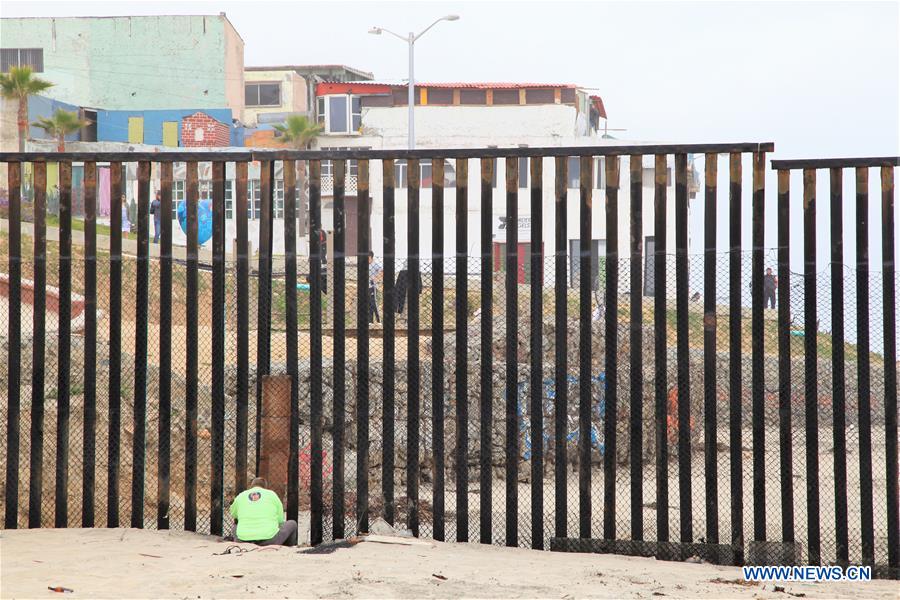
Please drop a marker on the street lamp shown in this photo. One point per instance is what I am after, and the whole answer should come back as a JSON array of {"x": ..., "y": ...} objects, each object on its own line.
[{"x": 411, "y": 40}]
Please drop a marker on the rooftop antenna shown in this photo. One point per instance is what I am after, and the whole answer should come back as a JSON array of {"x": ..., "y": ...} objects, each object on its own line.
[{"x": 606, "y": 130}]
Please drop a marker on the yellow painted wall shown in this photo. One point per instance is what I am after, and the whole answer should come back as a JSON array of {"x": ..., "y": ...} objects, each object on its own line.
[
  {"x": 170, "y": 133},
  {"x": 135, "y": 130}
]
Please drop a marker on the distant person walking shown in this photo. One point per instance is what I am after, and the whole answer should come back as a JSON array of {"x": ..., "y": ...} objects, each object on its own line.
[
  {"x": 157, "y": 217},
  {"x": 126, "y": 224},
  {"x": 770, "y": 282}
]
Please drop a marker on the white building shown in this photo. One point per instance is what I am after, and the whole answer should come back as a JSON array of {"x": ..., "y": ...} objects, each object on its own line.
[{"x": 478, "y": 115}]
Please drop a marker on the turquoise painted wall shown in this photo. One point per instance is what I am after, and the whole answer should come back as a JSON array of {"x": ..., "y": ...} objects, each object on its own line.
[{"x": 128, "y": 63}]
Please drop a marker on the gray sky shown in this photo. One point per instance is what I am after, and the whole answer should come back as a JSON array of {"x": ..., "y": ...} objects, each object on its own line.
[{"x": 818, "y": 78}]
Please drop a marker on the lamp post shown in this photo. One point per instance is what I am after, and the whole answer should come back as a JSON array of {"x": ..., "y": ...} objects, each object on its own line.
[{"x": 411, "y": 40}]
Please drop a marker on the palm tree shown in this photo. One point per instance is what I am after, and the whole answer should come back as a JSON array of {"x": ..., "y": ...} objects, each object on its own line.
[
  {"x": 300, "y": 132},
  {"x": 61, "y": 124},
  {"x": 18, "y": 84}
]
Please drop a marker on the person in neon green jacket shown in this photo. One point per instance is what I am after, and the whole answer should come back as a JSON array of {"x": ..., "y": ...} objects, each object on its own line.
[{"x": 259, "y": 516}]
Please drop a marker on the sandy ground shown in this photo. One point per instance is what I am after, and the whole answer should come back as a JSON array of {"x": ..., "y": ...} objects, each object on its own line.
[{"x": 129, "y": 563}]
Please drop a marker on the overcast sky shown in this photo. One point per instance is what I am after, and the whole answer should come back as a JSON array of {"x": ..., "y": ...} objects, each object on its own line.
[{"x": 818, "y": 78}]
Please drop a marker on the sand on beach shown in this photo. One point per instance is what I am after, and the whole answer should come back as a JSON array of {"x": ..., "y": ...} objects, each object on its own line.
[{"x": 131, "y": 563}]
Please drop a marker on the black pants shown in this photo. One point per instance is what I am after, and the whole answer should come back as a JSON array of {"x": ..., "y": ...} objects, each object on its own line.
[{"x": 769, "y": 297}]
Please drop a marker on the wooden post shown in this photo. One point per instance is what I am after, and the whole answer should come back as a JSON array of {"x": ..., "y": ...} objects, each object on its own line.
[{"x": 275, "y": 439}]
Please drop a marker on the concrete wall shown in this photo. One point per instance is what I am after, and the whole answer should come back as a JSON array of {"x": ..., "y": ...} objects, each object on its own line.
[
  {"x": 293, "y": 94},
  {"x": 469, "y": 126},
  {"x": 112, "y": 125},
  {"x": 147, "y": 62},
  {"x": 234, "y": 69}
]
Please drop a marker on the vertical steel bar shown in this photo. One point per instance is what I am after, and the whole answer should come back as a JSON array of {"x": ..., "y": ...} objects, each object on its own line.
[
  {"x": 487, "y": 366},
  {"x": 243, "y": 326},
  {"x": 14, "y": 355},
  {"x": 340, "y": 349},
  {"x": 757, "y": 382},
  {"x": 864, "y": 376},
  {"x": 610, "y": 417},
  {"x": 685, "y": 506},
  {"x": 316, "y": 253},
  {"x": 462, "y": 350},
  {"x": 264, "y": 289},
  {"x": 511, "y": 264},
  {"x": 839, "y": 432},
  {"x": 785, "y": 435},
  {"x": 89, "y": 448},
  {"x": 536, "y": 413},
  {"x": 115, "y": 343},
  {"x": 289, "y": 175},
  {"x": 584, "y": 347},
  {"x": 560, "y": 348},
  {"x": 191, "y": 350},
  {"x": 363, "y": 281},
  {"x": 38, "y": 328},
  {"x": 636, "y": 341},
  {"x": 413, "y": 373},
  {"x": 61, "y": 517},
  {"x": 390, "y": 309},
  {"x": 890, "y": 368},
  {"x": 660, "y": 348},
  {"x": 437, "y": 339},
  {"x": 810, "y": 339},
  {"x": 217, "y": 437},
  {"x": 165, "y": 349},
  {"x": 735, "y": 393},
  {"x": 710, "y": 324},
  {"x": 142, "y": 320}
]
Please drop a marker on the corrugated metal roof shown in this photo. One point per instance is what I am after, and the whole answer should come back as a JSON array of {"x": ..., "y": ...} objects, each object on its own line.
[{"x": 470, "y": 85}]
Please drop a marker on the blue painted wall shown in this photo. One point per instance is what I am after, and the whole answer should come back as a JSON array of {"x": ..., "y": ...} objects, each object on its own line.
[
  {"x": 112, "y": 125},
  {"x": 40, "y": 107}
]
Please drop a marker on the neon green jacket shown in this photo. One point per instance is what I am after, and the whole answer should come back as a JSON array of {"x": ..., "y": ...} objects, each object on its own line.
[{"x": 259, "y": 514}]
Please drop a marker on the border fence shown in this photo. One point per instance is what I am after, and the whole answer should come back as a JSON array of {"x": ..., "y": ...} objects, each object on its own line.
[{"x": 566, "y": 409}]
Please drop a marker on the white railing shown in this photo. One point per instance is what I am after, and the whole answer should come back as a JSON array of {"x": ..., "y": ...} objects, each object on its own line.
[{"x": 327, "y": 184}]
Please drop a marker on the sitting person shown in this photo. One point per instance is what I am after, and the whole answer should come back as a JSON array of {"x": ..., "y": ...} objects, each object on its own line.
[{"x": 259, "y": 516}]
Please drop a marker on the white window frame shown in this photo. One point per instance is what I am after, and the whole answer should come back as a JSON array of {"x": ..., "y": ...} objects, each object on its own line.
[
  {"x": 179, "y": 187},
  {"x": 323, "y": 114},
  {"x": 229, "y": 199}
]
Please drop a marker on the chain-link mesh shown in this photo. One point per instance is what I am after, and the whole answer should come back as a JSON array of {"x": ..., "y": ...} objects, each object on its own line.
[{"x": 273, "y": 394}]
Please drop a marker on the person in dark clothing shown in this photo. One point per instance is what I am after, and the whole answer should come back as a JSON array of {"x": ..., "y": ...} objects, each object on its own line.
[
  {"x": 157, "y": 217},
  {"x": 770, "y": 282},
  {"x": 375, "y": 274},
  {"x": 404, "y": 280}
]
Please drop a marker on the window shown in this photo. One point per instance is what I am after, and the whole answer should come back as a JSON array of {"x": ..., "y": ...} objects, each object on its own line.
[
  {"x": 320, "y": 110},
  {"x": 573, "y": 171},
  {"x": 262, "y": 94},
  {"x": 22, "y": 57},
  {"x": 339, "y": 113},
  {"x": 355, "y": 113},
  {"x": 600, "y": 175},
  {"x": 426, "y": 174},
  {"x": 229, "y": 199},
  {"x": 598, "y": 263},
  {"x": 205, "y": 189},
  {"x": 177, "y": 196},
  {"x": 650, "y": 266},
  {"x": 254, "y": 199},
  {"x": 279, "y": 198}
]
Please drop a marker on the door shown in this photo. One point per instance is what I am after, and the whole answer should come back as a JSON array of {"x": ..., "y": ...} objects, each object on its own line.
[
  {"x": 135, "y": 130},
  {"x": 170, "y": 133},
  {"x": 598, "y": 263}
]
